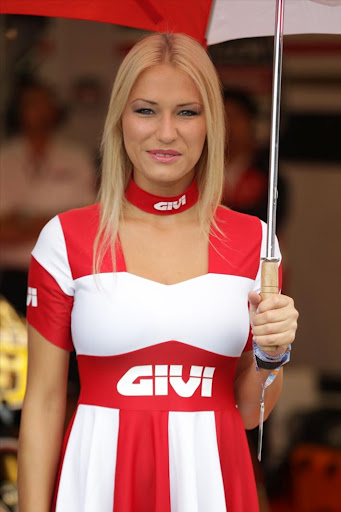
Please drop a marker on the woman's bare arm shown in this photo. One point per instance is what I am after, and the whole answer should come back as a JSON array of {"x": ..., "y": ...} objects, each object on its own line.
[
  {"x": 248, "y": 390},
  {"x": 42, "y": 423}
]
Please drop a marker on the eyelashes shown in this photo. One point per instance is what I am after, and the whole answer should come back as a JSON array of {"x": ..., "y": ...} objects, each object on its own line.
[
  {"x": 182, "y": 113},
  {"x": 144, "y": 111},
  {"x": 188, "y": 113}
]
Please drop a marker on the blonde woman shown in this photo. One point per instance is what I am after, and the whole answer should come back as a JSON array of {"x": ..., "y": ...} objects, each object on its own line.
[{"x": 151, "y": 286}]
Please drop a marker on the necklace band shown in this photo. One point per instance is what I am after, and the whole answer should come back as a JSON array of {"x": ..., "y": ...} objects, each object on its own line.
[{"x": 159, "y": 205}]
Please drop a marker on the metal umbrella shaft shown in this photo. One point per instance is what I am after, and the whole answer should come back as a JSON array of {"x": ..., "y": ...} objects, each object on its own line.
[
  {"x": 275, "y": 121},
  {"x": 269, "y": 283}
]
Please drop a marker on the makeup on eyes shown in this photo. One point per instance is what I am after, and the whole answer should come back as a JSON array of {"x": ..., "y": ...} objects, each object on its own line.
[{"x": 143, "y": 104}]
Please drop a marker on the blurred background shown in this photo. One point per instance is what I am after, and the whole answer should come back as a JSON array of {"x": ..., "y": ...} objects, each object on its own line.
[{"x": 56, "y": 78}]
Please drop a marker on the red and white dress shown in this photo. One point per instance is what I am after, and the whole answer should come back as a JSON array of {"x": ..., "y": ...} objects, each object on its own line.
[{"x": 156, "y": 428}]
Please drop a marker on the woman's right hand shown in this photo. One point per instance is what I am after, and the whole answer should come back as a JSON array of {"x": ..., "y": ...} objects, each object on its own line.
[{"x": 42, "y": 423}]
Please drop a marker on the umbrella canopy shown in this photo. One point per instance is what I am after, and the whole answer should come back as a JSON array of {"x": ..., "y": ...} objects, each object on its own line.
[
  {"x": 235, "y": 19},
  {"x": 205, "y": 20}
]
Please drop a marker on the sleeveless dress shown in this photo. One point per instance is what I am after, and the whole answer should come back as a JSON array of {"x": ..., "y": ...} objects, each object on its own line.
[{"x": 156, "y": 428}]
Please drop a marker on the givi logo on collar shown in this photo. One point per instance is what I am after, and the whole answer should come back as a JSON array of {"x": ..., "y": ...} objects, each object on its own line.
[
  {"x": 170, "y": 205},
  {"x": 157, "y": 205}
]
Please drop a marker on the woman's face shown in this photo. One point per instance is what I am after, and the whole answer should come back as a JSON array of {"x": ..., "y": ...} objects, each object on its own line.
[{"x": 164, "y": 129}]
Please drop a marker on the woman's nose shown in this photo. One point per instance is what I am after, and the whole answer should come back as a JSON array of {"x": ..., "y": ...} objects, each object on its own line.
[{"x": 166, "y": 130}]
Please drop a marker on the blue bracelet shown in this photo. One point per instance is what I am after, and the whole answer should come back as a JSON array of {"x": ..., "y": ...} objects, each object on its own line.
[{"x": 267, "y": 361}]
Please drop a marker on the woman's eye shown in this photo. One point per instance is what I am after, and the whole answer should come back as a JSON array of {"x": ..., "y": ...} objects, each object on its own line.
[
  {"x": 188, "y": 113},
  {"x": 144, "y": 111}
]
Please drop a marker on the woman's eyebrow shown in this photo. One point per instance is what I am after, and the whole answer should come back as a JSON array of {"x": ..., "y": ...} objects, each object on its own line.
[
  {"x": 145, "y": 101},
  {"x": 189, "y": 103},
  {"x": 155, "y": 103}
]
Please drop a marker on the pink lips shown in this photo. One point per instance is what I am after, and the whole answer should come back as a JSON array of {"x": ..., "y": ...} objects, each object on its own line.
[{"x": 164, "y": 156}]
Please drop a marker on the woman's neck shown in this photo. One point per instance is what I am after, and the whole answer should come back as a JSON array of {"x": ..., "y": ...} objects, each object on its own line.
[{"x": 161, "y": 210}]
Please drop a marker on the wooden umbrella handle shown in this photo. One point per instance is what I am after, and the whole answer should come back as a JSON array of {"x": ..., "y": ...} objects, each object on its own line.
[
  {"x": 269, "y": 278},
  {"x": 269, "y": 285}
]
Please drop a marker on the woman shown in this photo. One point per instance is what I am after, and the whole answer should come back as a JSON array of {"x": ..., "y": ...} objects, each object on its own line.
[{"x": 161, "y": 323}]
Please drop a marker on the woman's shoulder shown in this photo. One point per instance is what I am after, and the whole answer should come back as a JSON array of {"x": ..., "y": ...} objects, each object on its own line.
[
  {"x": 69, "y": 234},
  {"x": 80, "y": 226},
  {"x": 227, "y": 219},
  {"x": 76, "y": 220},
  {"x": 77, "y": 217},
  {"x": 73, "y": 224},
  {"x": 237, "y": 241},
  {"x": 68, "y": 239}
]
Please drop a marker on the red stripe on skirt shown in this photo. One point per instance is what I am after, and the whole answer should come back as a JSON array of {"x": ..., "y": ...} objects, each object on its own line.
[
  {"x": 142, "y": 466},
  {"x": 236, "y": 465}
]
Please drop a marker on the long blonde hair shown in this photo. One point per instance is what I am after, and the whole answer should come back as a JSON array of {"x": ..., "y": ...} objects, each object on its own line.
[{"x": 187, "y": 55}]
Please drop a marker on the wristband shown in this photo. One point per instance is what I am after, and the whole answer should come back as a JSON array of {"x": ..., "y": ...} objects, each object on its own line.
[{"x": 268, "y": 362}]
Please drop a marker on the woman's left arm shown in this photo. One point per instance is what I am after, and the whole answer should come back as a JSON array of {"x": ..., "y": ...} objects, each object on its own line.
[{"x": 274, "y": 325}]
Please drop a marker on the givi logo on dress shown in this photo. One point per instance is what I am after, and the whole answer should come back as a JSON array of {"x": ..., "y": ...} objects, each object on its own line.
[{"x": 150, "y": 383}]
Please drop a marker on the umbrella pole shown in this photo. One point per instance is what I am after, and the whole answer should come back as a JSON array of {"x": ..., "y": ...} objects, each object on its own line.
[
  {"x": 269, "y": 274},
  {"x": 269, "y": 271}
]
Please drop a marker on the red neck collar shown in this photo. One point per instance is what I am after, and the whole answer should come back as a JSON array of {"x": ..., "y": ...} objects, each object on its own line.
[{"x": 162, "y": 205}]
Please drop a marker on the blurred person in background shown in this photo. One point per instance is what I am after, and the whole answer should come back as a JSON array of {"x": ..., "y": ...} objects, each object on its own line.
[
  {"x": 41, "y": 174},
  {"x": 246, "y": 173}
]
